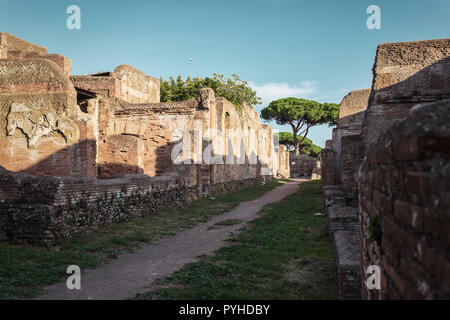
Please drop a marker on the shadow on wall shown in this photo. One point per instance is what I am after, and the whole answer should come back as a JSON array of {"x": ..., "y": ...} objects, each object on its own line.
[
  {"x": 431, "y": 83},
  {"x": 347, "y": 126},
  {"x": 390, "y": 102},
  {"x": 351, "y": 122},
  {"x": 75, "y": 160}
]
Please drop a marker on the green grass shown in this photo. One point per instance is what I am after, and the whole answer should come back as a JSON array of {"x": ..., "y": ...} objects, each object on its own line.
[
  {"x": 285, "y": 254},
  {"x": 25, "y": 269}
]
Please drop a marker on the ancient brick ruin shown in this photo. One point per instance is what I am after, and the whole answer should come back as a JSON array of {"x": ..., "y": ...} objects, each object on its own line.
[
  {"x": 304, "y": 166},
  {"x": 80, "y": 152},
  {"x": 386, "y": 176}
]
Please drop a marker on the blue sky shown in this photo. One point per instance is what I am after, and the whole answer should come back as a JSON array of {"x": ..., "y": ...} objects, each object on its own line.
[{"x": 316, "y": 49}]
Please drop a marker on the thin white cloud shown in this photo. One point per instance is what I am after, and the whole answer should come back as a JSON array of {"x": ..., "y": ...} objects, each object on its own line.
[
  {"x": 273, "y": 91},
  {"x": 332, "y": 96}
]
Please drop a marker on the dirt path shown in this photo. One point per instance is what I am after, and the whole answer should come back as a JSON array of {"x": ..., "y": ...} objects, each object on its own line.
[{"x": 135, "y": 272}]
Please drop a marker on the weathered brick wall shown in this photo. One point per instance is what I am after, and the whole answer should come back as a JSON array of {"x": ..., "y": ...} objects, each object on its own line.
[
  {"x": 44, "y": 131},
  {"x": 11, "y": 46},
  {"x": 345, "y": 154},
  {"x": 351, "y": 158},
  {"x": 405, "y": 185},
  {"x": 236, "y": 138},
  {"x": 302, "y": 165},
  {"x": 404, "y": 178},
  {"x": 42, "y": 209},
  {"x": 405, "y": 74},
  {"x": 135, "y": 86},
  {"x": 105, "y": 86},
  {"x": 351, "y": 115},
  {"x": 327, "y": 165},
  {"x": 402, "y": 183},
  {"x": 125, "y": 83},
  {"x": 150, "y": 129}
]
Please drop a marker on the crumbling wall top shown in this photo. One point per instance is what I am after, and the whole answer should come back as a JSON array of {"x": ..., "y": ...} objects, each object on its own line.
[
  {"x": 30, "y": 71},
  {"x": 10, "y": 45},
  {"x": 351, "y": 110},
  {"x": 126, "y": 83},
  {"x": 405, "y": 74},
  {"x": 409, "y": 53},
  {"x": 180, "y": 107},
  {"x": 410, "y": 71}
]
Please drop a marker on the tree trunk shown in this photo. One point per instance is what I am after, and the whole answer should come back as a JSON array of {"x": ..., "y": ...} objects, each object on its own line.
[
  {"x": 296, "y": 144},
  {"x": 304, "y": 137}
]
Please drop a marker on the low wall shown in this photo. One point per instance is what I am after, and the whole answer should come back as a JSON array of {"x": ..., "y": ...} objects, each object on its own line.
[{"x": 42, "y": 209}]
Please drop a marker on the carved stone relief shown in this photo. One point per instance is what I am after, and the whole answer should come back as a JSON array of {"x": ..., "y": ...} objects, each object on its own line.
[{"x": 36, "y": 123}]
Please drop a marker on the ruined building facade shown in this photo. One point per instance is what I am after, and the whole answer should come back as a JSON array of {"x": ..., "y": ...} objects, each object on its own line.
[
  {"x": 386, "y": 177},
  {"x": 81, "y": 152}
]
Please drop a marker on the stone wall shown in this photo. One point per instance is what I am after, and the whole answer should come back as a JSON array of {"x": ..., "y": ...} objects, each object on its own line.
[
  {"x": 405, "y": 74},
  {"x": 11, "y": 46},
  {"x": 44, "y": 131},
  {"x": 125, "y": 83},
  {"x": 42, "y": 209},
  {"x": 351, "y": 115},
  {"x": 136, "y": 87},
  {"x": 350, "y": 160},
  {"x": 327, "y": 164},
  {"x": 302, "y": 165},
  {"x": 405, "y": 206}
]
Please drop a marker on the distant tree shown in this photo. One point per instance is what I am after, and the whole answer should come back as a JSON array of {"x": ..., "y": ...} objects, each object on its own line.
[
  {"x": 287, "y": 139},
  {"x": 307, "y": 147},
  {"x": 234, "y": 89},
  {"x": 311, "y": 149},
  {"x": 301, "y": 115}
]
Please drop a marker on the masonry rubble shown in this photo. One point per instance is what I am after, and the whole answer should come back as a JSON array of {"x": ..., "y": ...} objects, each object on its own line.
[
  {"x": 386, "y": 176},
  {"x": 81, "y": 152}
]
